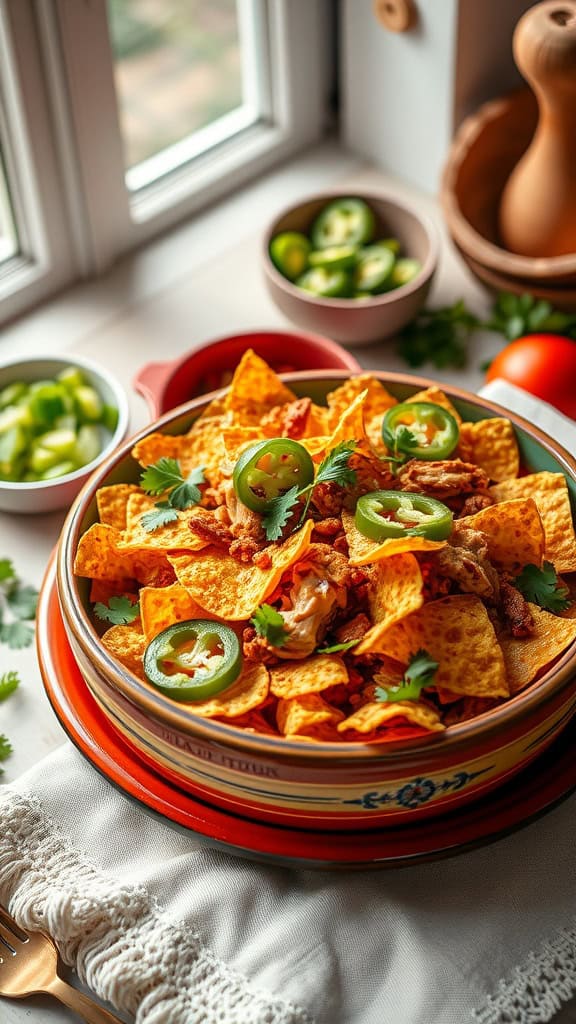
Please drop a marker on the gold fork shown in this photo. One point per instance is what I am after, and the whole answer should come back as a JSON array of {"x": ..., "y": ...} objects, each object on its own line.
[{"x": 29, "y": 965}]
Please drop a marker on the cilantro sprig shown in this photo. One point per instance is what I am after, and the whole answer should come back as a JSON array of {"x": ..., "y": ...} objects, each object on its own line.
[
  {"x": 17, "y": 608},
  {"x": 9, "y": 682},
  {"x": 515, "y": 315},
  {"x": 438, "y": 336},
  {"x": 268, "y": 623},
  {"x": 164, "y": 477},
  {"x": 419, "y": 673},
  {"x": 119, "y": 611},
  {"x": 542, "y": 587},
  {"x": 334, "y": 467},
  {"x": 335, "y": 648}
]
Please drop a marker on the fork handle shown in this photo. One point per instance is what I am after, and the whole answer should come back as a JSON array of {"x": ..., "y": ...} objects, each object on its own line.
[{"x": 83, "y": 1005}]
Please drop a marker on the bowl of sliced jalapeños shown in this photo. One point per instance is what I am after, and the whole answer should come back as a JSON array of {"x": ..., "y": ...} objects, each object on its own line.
[
  {"x": 59, "y": 417},
  {"x": 329, "y": 601},
  {"x": 355, "y": 267}
]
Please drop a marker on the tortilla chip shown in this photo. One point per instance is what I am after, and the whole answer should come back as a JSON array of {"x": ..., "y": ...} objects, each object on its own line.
[
  {"x": 127, "y": 644},
  {"x": 99, "y": 557},
  {"x": 162, "y": 606},
  {"x": 249, "y": 691},
  {"x": 437, "y": 397},
  {"x": 377, "y": 399},
  {"x": 492, "y": 445},
  {"x": 254, "y": 391},
  {"x": 457, "y": 633},
  {"x": 363, "y": 551},
  {"x": 233, "y": 590},
  {"x": 304, "y": 714},
  {"x": 311, "y": 675},
  {"x": 395, "y": 591},
  {"x": 513, "y": 531},
  {"x": 373, "y": 716},
  {"x": 525, "y": 657},
  {"x": 202, "y": 447},
  {"x": 350, "y": 426},
  {"x": 171, "y": 537},
  {"x": 550, "y": 492},
  {"x": 111, "y": 503}
]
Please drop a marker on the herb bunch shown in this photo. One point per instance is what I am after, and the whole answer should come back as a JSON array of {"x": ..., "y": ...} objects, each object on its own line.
[{"x": 17, "y": 608}]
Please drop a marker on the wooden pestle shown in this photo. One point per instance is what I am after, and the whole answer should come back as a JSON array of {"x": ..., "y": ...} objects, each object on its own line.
[{"x": 538, "y": 204}]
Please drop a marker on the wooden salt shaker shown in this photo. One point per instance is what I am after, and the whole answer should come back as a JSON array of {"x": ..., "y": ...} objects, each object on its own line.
[{"x": 538, "y": 205}]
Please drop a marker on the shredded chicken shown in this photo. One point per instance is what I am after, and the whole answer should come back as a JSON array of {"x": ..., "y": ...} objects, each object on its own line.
[
  {"x": 318, "y": 591},
  {"x": 442, "y": 479},
  {"x": 465, "y": 560},
  {"x": 245, "y": 527}
]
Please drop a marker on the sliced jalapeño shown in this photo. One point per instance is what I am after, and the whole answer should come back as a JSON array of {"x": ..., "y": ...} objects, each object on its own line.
[
  {"x": 421, "y": 430},
  {"x": 347, "y": 221},
  {"x": 383, "y": 514},
  {"x": 193, "y": 660},
  {"x": 268, "y": 469}
]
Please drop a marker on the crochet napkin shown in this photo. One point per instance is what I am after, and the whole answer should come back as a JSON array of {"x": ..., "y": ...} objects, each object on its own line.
[{"x": 170, "y": 931}]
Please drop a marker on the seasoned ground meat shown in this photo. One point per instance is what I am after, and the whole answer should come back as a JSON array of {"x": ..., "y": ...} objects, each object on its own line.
[
  {"x": 515, "y": 610},
  {"x": 291, "y": 418},
  {"x": 205, "y": 525},
  {"x": 475, "y": 503}
]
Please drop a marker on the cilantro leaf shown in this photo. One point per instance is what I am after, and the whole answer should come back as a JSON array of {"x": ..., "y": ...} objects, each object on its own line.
[
  {"x": 541, "y": 587},
  {"x": 269, "y": 623},
  {"x": 119, "y": 610},
  {"x": 278, "y": 512},
  {"x": 335, "y": 466},
  {"x": 9, "y": 681},
  {"x": 6, "y": 570},
  {"x": 419, "y": 673},
  {"x": 22, "y": 601},
  {"x": 160, "y": 515},
  {"x": 16, "y": 634},
  {"x": 161, "y": 476},
  {"x": 515, "y": 315},
  {"x": 337, "y": 647},
  {"x": 165, "y": 477},
  {"x": 188, "y": 493}
]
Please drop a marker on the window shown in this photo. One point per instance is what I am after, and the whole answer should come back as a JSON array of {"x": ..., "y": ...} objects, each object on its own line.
[{"x": 120, "y": 117}]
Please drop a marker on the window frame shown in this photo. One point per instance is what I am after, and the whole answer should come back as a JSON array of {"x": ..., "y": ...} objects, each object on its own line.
[{"x": 66, "y": 172}]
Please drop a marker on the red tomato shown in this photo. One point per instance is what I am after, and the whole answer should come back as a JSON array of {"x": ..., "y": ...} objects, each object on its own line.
[{"x": 544, "y": 365}]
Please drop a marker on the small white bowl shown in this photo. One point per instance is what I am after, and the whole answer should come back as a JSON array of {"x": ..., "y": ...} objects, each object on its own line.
[{"x": 49, "y": 495}]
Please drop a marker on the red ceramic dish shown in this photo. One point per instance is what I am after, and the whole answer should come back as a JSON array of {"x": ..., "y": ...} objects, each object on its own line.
[
  {"x": 209, "y": 367},
  {"x": 551, "y": 778},
  {"x": 356, "y": 786}
]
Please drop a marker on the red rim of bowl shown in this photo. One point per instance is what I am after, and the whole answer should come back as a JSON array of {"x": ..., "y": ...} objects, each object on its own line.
[{"x": 403, "y": 752}]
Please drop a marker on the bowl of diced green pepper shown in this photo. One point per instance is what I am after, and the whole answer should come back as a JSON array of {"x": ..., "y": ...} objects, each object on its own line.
[
  {"x": 59, "y": 417},
  {"x": 356, "y": 268}
]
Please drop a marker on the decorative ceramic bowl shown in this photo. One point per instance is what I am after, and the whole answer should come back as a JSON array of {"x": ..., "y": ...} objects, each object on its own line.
[
  {"x": 50, "y": 495},
  {"x": 485, "y": 150},
  {"x": 316, "y": 785},
  {"x": 166, "y": 385},
  {"x": 357, "y": 321}
]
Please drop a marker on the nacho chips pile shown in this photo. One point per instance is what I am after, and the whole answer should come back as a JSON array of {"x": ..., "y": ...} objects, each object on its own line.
[{"x": 344, "y": 638}]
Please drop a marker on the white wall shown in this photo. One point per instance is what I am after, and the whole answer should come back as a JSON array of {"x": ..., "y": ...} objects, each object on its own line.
[{"x": 404, "y": 94}]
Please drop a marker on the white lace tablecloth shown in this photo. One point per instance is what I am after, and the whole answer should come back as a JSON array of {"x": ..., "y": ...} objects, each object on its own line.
[{"x": 173, "y": 932}]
